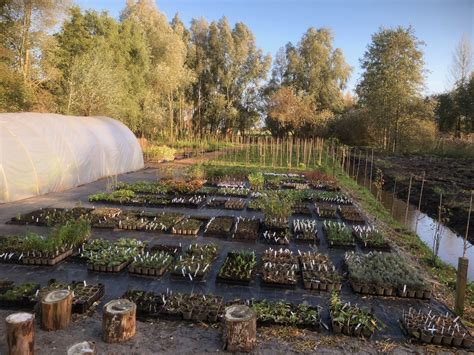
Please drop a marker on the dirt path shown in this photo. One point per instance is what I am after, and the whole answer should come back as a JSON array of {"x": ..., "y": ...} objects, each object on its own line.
[{"x": 172, "y": 337}]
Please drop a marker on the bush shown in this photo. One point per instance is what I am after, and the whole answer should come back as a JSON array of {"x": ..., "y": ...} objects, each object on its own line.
[{"x": 159, "y": 153}]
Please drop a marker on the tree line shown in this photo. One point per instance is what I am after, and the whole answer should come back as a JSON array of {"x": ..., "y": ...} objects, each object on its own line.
[{"x": 162, "y": 78}]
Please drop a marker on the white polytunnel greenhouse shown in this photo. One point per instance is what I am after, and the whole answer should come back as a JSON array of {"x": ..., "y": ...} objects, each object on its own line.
[{"x": 43, "y": 152}]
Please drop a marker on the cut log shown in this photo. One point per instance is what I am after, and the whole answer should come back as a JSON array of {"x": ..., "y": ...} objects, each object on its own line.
[
  {"x": 86, "y": 347},
  {"x": 240, "y": 329},
  {"x": 119, "y": 321},
  {"x": 56, "y": 308},
  {"x": 20, "y": 329}
]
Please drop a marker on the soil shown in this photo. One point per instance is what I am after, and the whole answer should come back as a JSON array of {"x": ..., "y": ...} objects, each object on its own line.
[
  {"x": 174, "y": 337},
  {"x": 454, "y": 178}
]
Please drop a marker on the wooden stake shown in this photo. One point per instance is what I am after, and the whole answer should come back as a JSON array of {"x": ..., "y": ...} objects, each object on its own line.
[
  {"x": 419, "y": 202},
  {"x": 86, "y": 347},
  {"x": 461, "y": 283},
  {"x": 20, "y": 333},
  {"x": 466, "y": 244},
  {"x": 119, "y": 321},
  {"x": 408, "y": 199},
  {"x": 371, "y": 170},
  {"x": 240, "y": 329},
  {"x": 365, "y": 170},
  {"x": 56, "y": 309}
]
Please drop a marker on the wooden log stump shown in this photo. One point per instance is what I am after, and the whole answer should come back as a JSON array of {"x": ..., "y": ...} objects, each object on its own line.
[
  {"x": 240, "y": 329},
  {"x": 85, "y": 347},
  {"x": 119, "y": 321},
  {"x": 20, "y": 329},
  {"x": 56, "y": 308}
]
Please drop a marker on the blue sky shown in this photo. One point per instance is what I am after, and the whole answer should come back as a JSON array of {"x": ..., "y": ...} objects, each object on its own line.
[{"x": 439, "y": 23}]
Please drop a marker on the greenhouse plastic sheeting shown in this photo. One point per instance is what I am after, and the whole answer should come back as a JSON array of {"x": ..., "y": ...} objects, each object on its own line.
[{"x": 42, "y": 152}]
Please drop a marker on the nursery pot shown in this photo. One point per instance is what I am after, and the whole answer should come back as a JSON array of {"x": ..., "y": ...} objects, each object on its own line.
[
  {"x": 388, "y": 291},
  {"x": 426, "y": 338},
  {"x": 337, "y": 328},
  {"x": 457, "y": 340},
  {"x": 437, "y": 338},
  {"x": 419, "y": 294},
  {"x": 467, "y": 342},
  {"x": 379, "y": 291},
  {"x": 346, "y": 330},
  {"x": 447, "y": 340}
]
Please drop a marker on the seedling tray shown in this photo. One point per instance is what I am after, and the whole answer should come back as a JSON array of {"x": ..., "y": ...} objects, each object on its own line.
[
  {"x": 110, "y": 269},
  {"x": 82, "y": 306},
  {"x": 47, "y": 261}
]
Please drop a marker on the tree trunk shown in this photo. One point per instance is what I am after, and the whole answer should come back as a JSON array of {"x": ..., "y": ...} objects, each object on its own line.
[
  {"x": 85, "y": 347},
  {"x": 240, "y": 329},
  {"x": 20, "y": 329},
  {"x": 119, "y": 321},
  {"x": 56, "y": 309}
]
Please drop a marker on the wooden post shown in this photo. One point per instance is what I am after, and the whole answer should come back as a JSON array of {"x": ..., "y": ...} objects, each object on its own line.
[
  {"x": 56, "y": 309},
  {"x": 20, "y": 329},
  {"x": 358, "y": 167},
  {"x": 419, "y": 202},
  {"x": 408, "y": 199},
  {"x": 365, "y": 170},
  {"x": 461, "y": 283},
  {"x": 119, "y": 321},
  {"x": 85, "y": 347},
  {"x": 394, "y": 194},
  {"x": 240, "y": 329},
  {"x": 371, "y": 170}
]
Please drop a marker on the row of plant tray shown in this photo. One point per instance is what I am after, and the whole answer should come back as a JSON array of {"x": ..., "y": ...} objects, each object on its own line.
[
  {"x": 350, "y": 330},
  {"x": 147, "y": 271},
  {"x": 28, "y": 260},
  {"x": 102, "y": 268},
  {"x": 390, "y": 291},
  {"x": 321, "y": 286},
  {"x": 438, "y": 339}
]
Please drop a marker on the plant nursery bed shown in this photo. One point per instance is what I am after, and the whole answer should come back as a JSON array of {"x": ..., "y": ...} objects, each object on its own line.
[
  {"x": 85, "y": 296},
  {"x": 232, "y": 192},
  {"x": 276, "y": 237},
  {"x": 279, "y": 268},
  {"x": 170, "y": 249},
  {"x": 234, "y": 204},
  {"x": 318, "y": 272},
  {"x": 216, "y": 203},
  {"x": 219, "y": 227},
  {"x": 238, "y": 268},
  {"x": 194, "y": 264},
  {"x": 351, "y": 320},
  {"x": 48, "y": 260},
  {"x": 286, "y": 314},
  {"x": 187, "y": 226},
  {"x": 351, "y": 214},
  {"x": 326, "y": 210},
  {"x": 301, "y": 208},
  {"x": 370, "y": 238},
  {"x": 50, "y": 216},
  {"x": 247, "y": 229},
  {"x": 22, "y": 296},
  {"x": 338, "y": 235},
  {"x": 435, "y": 328},
  {"x": 305, "y": 231},
  {"x": 385, "y": 274},
  {"x": 151, "y": 264},
  {"x": 195, "y": 201},
  {"x": 109, "y": 269}
]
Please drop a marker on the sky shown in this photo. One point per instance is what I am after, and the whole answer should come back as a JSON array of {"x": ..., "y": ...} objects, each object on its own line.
[{"x": 440, "y": 24}]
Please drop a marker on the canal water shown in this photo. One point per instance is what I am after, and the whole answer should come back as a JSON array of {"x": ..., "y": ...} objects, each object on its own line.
[{"x": 451, "y": 244}]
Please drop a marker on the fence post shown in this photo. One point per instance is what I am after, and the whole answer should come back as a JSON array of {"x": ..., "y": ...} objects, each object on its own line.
[{"x": 371, "y": 170}]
